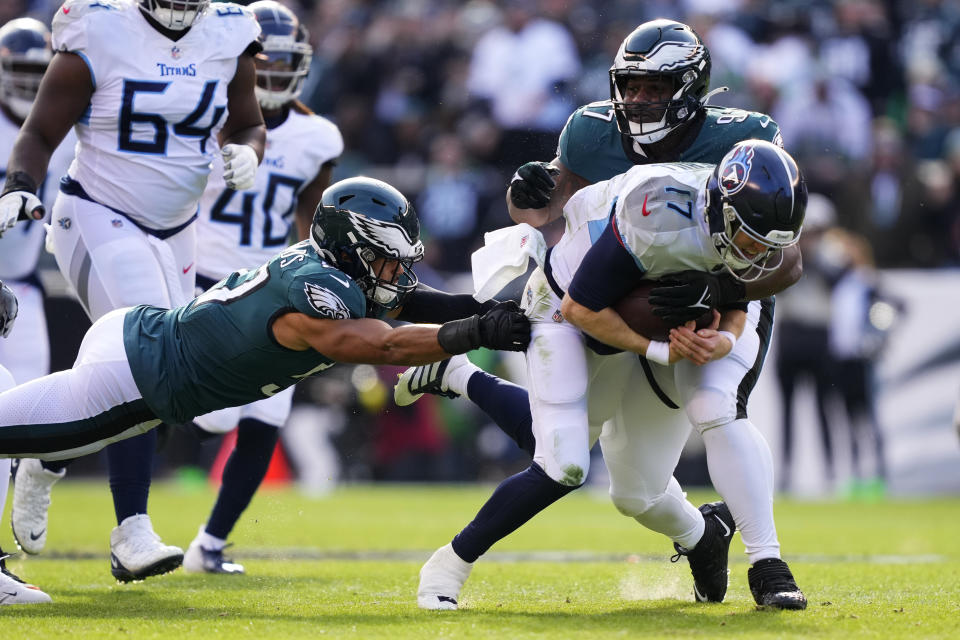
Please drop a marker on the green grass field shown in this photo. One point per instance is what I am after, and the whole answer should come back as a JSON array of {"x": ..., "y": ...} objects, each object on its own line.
[{"x": 346, "y": 566}]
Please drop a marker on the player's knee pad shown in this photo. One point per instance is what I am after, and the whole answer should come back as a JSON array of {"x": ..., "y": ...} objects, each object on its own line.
[
  {"x": 708, "y": 408},
  {"x": 633, "y": 506},
  {"x": 563, "y": 452}
]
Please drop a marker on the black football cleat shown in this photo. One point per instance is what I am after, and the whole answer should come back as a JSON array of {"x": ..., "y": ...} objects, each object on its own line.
[
  {"x": 708, "y": 560},
  {"x": 772, "y": 585}
]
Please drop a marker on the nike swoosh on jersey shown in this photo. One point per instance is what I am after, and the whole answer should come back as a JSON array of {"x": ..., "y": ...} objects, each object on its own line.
[
  {"x": 345, "y": 283},
  {"x": 645, "y": 211},
  {"x": 187, "y": 268}
]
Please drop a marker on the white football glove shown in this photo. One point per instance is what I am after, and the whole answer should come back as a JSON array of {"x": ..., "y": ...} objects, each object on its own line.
[
  {"x": 8, "y": 310},
  {"x": 239, "y": 166},
  {"x": 18, "y": 204}
]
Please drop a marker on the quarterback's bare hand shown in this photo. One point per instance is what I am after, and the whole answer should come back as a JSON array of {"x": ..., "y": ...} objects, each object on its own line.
[
  {"x": 700, "y": 346},
  {"x": 239, "y": 166},
  {"x": 8, "y": 310},
  {"x": 19, "y": 205},
  {"x": 532, "y": 184}
]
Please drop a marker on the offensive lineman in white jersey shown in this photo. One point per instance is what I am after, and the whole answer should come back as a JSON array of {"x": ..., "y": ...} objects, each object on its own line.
[
  {"x": 649, "y": 222},
  {"x": 244, "y": 229},
  {"x": 24, "y": 55},
  {"x": 155, "y": 90}
]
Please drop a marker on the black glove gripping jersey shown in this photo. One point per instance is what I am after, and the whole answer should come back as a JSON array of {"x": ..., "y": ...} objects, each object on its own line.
[{"x": 218, "y": 351}]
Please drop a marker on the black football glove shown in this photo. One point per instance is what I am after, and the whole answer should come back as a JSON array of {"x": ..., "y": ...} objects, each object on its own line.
[
  {"x": 532, "y": 184},
  {"x": 503, "y": 328},
  {"x": 687, "y": 295},
  {"x": 8, "y": 310}
]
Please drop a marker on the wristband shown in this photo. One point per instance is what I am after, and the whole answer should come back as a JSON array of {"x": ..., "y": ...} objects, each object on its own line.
[
  {"x": 658, "y": 351},
  {"x": 19, "y": 181},
  {"x": 729, "y": 336}
]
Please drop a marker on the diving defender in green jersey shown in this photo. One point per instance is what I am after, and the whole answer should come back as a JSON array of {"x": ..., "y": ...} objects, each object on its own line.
[
  {"x": 657, "y": 112},
  {"x": 256, "y": 332}
]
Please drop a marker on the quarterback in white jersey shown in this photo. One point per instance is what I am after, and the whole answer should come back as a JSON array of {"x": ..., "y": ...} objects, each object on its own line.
[
  {"x": 155, "y": 91},
  {"x": 583, "y": 374},
  {"x": 245, "y": 229}
]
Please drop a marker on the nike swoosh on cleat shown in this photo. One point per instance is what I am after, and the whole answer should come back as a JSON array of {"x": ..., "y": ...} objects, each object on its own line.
[
  {"x": 726, "y": 529},
  {"x": 447, "y": 599},
  {"x": 699, "y": 596},
  {"x": 36, "y": 536}
]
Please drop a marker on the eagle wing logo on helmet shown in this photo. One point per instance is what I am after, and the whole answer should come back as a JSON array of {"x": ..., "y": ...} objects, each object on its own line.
[
  {"x": 389, "y": 239},
  {"x": 672, "y": 55},
  {"x": 326, "y": 303},
  {"x": 736, "y": 170}
]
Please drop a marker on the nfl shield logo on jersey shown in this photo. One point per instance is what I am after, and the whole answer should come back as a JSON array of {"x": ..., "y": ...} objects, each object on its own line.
[{"x": 176, "y": 52}]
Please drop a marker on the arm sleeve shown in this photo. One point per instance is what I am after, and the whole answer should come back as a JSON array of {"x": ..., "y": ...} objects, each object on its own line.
[
  {"x": 606, "y": 274},
  {"x": 430, "y": 305}
]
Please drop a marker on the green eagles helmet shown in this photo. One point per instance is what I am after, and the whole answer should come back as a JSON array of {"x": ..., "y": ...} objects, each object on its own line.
[{"x": 359, "y": 220}]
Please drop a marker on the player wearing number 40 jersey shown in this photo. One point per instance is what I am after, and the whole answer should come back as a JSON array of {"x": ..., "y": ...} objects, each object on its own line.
[
  {"x": 243, "y": 229},
  {"x": 155, "y": 90}
]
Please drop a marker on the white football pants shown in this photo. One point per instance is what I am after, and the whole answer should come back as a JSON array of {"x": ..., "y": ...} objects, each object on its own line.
[{"x": 111, "y": 263}]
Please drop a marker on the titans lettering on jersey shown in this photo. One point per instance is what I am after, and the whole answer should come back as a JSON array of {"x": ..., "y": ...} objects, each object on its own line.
[
  {"x": 219, "y": 351},
  {"x": 20, "y": 247},
  {"x": 149, "y": 134},
  {"x": 592, "y": 146},
  {"x": 246, "y": 228},
  {"x": 659, "y": 213}
]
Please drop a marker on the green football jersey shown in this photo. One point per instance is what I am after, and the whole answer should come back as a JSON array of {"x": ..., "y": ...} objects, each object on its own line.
[
  {"x": 219, "y": 351},
  {"x": 592, "y": 146}
]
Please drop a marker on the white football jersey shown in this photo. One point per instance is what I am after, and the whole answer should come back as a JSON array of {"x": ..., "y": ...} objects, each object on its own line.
[
  {"x": 246, "y": 228},
  {"x": 659, "y": 210},
  {"x": 150, "y": 132},
  {"x": 20, "y": 247}
]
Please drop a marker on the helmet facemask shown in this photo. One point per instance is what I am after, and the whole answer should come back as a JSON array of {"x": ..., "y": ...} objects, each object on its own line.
[
  {"x": 739, "y": 263},
  {"x": 175, "y": 15},
  {"x": 282, "y": 67},
  {"x": 650, "y": 121}
]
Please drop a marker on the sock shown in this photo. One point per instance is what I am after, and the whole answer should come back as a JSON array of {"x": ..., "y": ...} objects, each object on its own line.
[
  {"x": 746, "y": 488},
  {"x": 242, "y": 474},
  {"x": 130, "y": 463},
  {"x": 507, "y": 404},
  {"x": 210, "y": 542},
  {"x": 516, "y": 500}
]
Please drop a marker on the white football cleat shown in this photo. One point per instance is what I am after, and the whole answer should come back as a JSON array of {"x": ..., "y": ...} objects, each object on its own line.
[
  {"x": 428, "y": 378},
  {"x": 199, "y": 559},
  {"x": 13, "y": 590},
  {"x": 441, "y": 579},
  {"x": 31, "y": 501},
  {"x": 136, "y": 552}
]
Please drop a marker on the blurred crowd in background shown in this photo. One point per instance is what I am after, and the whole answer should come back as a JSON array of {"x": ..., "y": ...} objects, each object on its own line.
[{"x": 446, "y": 98}]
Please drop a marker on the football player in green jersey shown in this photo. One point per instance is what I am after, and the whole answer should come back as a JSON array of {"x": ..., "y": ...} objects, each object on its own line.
[
  {"x": 256, "y": 332},
  {"x": 657, "y": 112}
]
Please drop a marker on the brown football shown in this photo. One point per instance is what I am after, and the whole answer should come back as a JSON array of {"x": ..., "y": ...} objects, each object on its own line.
[{"x": 636, "y": 311}]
